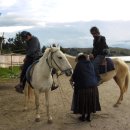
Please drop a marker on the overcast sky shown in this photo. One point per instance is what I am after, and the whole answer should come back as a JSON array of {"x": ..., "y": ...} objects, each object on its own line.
[
  {"x": 17, "y": 15},
  {"x": 22, "y": 14}
]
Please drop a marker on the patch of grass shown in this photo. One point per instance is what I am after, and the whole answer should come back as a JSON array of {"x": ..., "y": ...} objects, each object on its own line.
[{"x": 12, "y": 72}]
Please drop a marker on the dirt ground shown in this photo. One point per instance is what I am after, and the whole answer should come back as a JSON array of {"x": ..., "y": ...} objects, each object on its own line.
[{"x": 12, "y": 116}]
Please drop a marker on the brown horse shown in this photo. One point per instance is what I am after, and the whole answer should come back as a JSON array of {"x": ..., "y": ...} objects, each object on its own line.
[{"x": 120, "y": 75}]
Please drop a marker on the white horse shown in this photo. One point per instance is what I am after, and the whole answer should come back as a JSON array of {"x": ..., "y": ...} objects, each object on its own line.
[
  {"x": 121, "y": 75},
  {"x": 42, "y": 80}
]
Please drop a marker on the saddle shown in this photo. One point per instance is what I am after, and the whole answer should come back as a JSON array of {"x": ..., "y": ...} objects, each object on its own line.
[
  {"x": 29, "y": 73},
  {"x": 106, "y": 66}
]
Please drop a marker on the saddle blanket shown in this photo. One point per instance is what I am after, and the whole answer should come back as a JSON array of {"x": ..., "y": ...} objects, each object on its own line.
[
  {"x": 30, "y": 71},
  {"x": 109, "y": 66}
]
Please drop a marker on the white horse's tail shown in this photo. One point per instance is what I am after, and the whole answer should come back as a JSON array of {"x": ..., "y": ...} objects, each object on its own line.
[
  {"x": 127, "y": 79},
  {"x": 29, "y": 93}
]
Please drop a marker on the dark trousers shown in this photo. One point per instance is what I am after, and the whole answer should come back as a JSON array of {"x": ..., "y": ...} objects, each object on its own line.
[
  {"x": 28, "y": 61},
  {"x": 96, "y": 62}
]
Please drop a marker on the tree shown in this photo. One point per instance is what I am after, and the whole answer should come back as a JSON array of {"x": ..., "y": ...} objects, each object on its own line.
[
  {"x": 62, "y": 49},
  {"x": 19, "y": 45},
  {"x": 14, "y": 45},
  {"x": 8, "y": 45},
  {"x": 1, "y": 42}
]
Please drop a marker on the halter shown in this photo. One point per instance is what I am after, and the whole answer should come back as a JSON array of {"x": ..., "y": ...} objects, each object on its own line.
[{"x": 51, "y": 66}]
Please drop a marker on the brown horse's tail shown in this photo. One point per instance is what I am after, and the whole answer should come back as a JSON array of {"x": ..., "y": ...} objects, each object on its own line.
[{"x": 127, "y": 79}]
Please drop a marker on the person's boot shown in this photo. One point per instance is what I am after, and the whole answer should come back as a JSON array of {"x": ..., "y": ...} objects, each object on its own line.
[
  {"x": 82, "y": 118},
  {"x": 88, "y": 118},
  {"x": 19, "y": 88}
]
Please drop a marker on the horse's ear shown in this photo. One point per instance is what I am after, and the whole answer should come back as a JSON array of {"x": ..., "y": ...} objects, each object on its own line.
[
  {"x": 51, "y": 46},
  {"x": 51, "y": 49},
  {"x": 58, "y": 46}
]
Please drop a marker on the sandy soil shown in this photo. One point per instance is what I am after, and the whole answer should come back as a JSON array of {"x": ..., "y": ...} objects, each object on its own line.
[{"x": 12, "y": 116}]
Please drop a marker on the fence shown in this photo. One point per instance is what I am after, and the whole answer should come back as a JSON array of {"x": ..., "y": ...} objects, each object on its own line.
[
  {"x": 17, "y": 60},
  {"x": 124, "y": 58},
  {"x": 11, "y": 60}
]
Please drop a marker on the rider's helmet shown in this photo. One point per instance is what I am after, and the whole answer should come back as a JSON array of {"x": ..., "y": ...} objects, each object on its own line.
[{"x": 24, "y": 34}]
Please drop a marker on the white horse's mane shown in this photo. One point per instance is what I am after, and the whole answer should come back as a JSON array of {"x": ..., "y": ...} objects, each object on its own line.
[{"x": 48, "y": 50}]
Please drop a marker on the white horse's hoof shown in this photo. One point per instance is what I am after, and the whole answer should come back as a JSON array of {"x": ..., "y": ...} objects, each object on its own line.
[
  {"x": 25, "y": 109},
  {"x": 37, "y": 119},
  {"x": 115, "y": 105},
  {"x": 50, "y": 121}
]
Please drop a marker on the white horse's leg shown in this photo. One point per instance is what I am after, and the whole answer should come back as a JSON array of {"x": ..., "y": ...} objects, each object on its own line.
[
  {"x": 26, "y": 97},
  {"x": 48, "y": 106},
  {"x": 36, "y": 92}
]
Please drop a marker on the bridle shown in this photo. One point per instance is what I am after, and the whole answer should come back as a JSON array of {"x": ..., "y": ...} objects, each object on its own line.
[{"x": 53, "y": 60}]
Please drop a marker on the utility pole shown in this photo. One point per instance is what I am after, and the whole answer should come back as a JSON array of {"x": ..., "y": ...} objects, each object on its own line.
[
  {"x": 1, "y": 39},
  {"x": 1, "y": 42}
]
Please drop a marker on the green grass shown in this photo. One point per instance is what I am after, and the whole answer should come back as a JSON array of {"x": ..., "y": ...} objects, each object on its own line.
[{"x": 7, "y": 73}]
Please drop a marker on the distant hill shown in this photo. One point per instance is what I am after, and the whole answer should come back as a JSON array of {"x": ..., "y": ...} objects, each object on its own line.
[{"x": 113, "y": 51}]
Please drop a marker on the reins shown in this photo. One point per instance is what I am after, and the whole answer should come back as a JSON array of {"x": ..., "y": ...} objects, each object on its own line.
[
  {"x": 57, "y": 75},
  {"x": 51, "y": 66}
]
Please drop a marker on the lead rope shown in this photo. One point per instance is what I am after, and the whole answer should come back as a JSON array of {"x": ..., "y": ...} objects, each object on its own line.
[
  {"x": 61, "y": 96},
  {"x": 61, "y": 91},
  {"x": 73, "y": 120}
]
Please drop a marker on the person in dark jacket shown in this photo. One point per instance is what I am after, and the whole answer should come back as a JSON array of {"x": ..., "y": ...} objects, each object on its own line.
[
  {"x": 100, "y": 49},
  {"x": 85, "y": 97},
  {"x": 33, "y": 53}
]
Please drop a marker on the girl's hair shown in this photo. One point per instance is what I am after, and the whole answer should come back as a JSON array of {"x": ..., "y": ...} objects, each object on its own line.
[{"x": 94, "y": 30}]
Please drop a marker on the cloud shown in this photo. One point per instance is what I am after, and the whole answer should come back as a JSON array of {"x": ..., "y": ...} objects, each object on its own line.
[
  {"x": 14, "y": 29},
  {"x": 41, "y": 12},
  {"x": 65, "y": 10},
  {"x": 15, "y": 20},
  {"x": 7, "y": 3},
  {"x": 76, "y": 34},
  {"x": 56, "y": 20},
  {"x": 24, "y": 13}
]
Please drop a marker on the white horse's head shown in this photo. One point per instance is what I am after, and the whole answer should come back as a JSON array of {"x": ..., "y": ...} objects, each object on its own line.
[{"x": 56, "y": 59}]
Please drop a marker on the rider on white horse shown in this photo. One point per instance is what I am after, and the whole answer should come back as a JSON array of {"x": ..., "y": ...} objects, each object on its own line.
[{"x": 33, "y": 52}]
